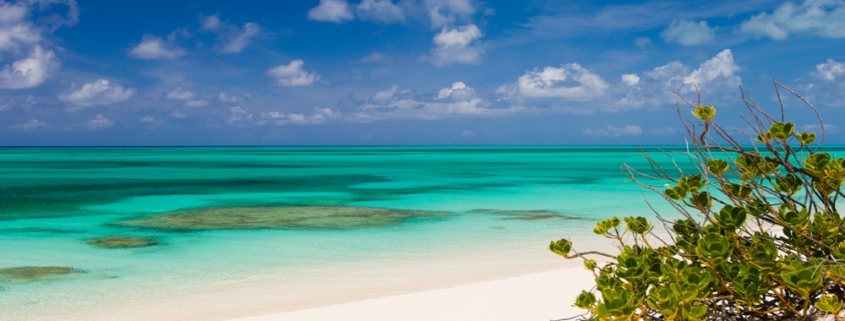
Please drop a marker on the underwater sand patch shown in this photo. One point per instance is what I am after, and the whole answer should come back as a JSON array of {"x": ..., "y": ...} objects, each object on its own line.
[
  {"x": 33, "y": 273},
  {"x": 527, "y": 215},
  {"x": 122, "y": 242},
  {"x": 242, "y": 218}
]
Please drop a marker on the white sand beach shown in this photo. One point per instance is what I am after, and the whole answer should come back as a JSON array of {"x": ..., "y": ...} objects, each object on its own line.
[
  {"x": 539, "y": 296},
  {"x": 517, "y": 283}
]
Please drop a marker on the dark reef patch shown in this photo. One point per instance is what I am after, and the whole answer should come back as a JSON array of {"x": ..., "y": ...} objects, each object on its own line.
[
  {"x": 33, "y": 273},
  {"x": 528, "y": 215},
  {"x": 278, "y": 217},
  {"x": 122, "y": 242}
]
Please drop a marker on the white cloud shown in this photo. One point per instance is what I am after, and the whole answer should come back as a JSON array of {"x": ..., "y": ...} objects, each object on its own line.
[
  {"x": 239, "y": 39},
  {"x": 178, "y": 115},
  {"x": 458, "y": 92},
  {"x": 457, "y": 100},
  {"x": 687, "y": 33},
  {"x": 99, "y": 92},
  {"x": 292, "y": 74},
  {"x": 152, "y": 47},
  {"x": 179, "y": 93},
  {"x": 613, "y": 131},
  {"x": 147, "y": 119},
  {"x": 98, "y": 122},
  {"x": 238, "y": 116},
  {"x": 211, "y": 22},
  {"x": 447, "y": 12},
  {"x": 318, "y": 116},
  {"x": 30, "y": 125},
  {"x": 719, "y": 68},
  {"x": 12, "y": 13},
  {"x": 823, "y": 18},
  {"x": 187, "y": 97},
  {"x": 570, "y": 81},
  {"x": 228, "y": 98},
  {"x": 381, "y": 11},
  {"x": 830, "y": 70},
  {"x": 232, "y": 39},
  {"x": 30, "y": 71},
  {"x": 457, "y": 45},
  {"x": 466, "y": 133},
  {"x": 331, "y": 11},
  {"x": 15, "y": 32},
  {"x": 631, "y": 79},
  {"x": 715, "y": 76}
]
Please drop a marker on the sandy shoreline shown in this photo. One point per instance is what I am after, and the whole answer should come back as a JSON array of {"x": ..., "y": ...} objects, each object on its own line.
[
  {"x": 539, "y": 296},
  {"x": 521, "y": 281}
]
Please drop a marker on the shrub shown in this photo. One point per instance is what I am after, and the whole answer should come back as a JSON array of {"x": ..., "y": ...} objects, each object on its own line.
[{"x": 759, "y": 236}]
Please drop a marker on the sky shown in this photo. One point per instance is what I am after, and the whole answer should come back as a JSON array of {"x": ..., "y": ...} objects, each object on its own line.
[{"x": 409, "y": 72}]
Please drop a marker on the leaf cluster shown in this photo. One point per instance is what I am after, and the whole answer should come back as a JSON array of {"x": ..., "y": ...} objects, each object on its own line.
[{"x": 760, "y": 236}]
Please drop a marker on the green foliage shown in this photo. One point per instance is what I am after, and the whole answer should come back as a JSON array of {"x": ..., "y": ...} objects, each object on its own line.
[{"x": 760, "y": 237}]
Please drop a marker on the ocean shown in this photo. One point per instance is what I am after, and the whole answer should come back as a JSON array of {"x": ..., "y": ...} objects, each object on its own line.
[{"x": 221, "y": 216}]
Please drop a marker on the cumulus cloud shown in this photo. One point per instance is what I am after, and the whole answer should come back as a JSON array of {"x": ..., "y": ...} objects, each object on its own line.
[
  {"x": 15, "y": 32},
  {"x": 457, "y": 45},
  {"x": 211, "y": 23},
  {"x": 187, "y": 97},
  {"x": 292, "y": 74},
  {"x": 457, "y": 100},
  {"x": 331, "y": 11},
  {"x": 458, "y": 91},
  {"x": 152, "y": 47},
  {"x": 830, "y": 70},
  {"x": 238, "y": 40},
  {"x": 719, "y": 68},
  {"x": 381, "y": 11},
  {"x": 180, "y": 93},
  {"x": 447, "y": 12},
  {"x": 318, "y": 116},
  {"x": 30, "y": 71},
  {"x": 25, "y": 57},
  {"x": 99, "y": 92},
  {"x": 656, "y": 86},
  {"x": 822, "y": 18},
  {"x": 98, "y": 122},
  {"x": 238, "y": 116},
  {"x": 232, "y": 39},
  {"x": 31, "y": 125},
  {"x": 614, "y": 131},
  {"x": 230, "y": 98},
  {"x": 687, "y": 33},
  {"x": 570, "y": 81},
  {"x": 147, "y": 119},
  {"x": 631, "y": 79}
]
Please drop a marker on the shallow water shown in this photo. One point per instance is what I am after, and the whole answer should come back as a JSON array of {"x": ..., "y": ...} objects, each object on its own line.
[{"x": 53, "y": 199}]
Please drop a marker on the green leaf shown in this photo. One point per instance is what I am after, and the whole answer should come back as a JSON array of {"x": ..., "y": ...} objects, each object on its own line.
[
  {"x": 829, "y": 304},
  {"x": 782, "y": 130},
  {"x": 806, "y": 138},
  {"x": 705, "y": 113},
  {"x": 717, "y": 167},
  {"x": 561, "y": 247},
  {"x": 585, "y": 300}
]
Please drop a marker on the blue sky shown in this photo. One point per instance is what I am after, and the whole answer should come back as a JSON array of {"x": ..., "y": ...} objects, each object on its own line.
[{"x": 393, "y": 72}]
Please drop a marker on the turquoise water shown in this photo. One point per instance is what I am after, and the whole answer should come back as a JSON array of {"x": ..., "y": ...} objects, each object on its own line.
[{"x": 52, "y": 199}]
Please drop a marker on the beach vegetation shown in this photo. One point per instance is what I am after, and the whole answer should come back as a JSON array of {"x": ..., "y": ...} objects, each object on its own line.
[{"x": 758, "y": 234}]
